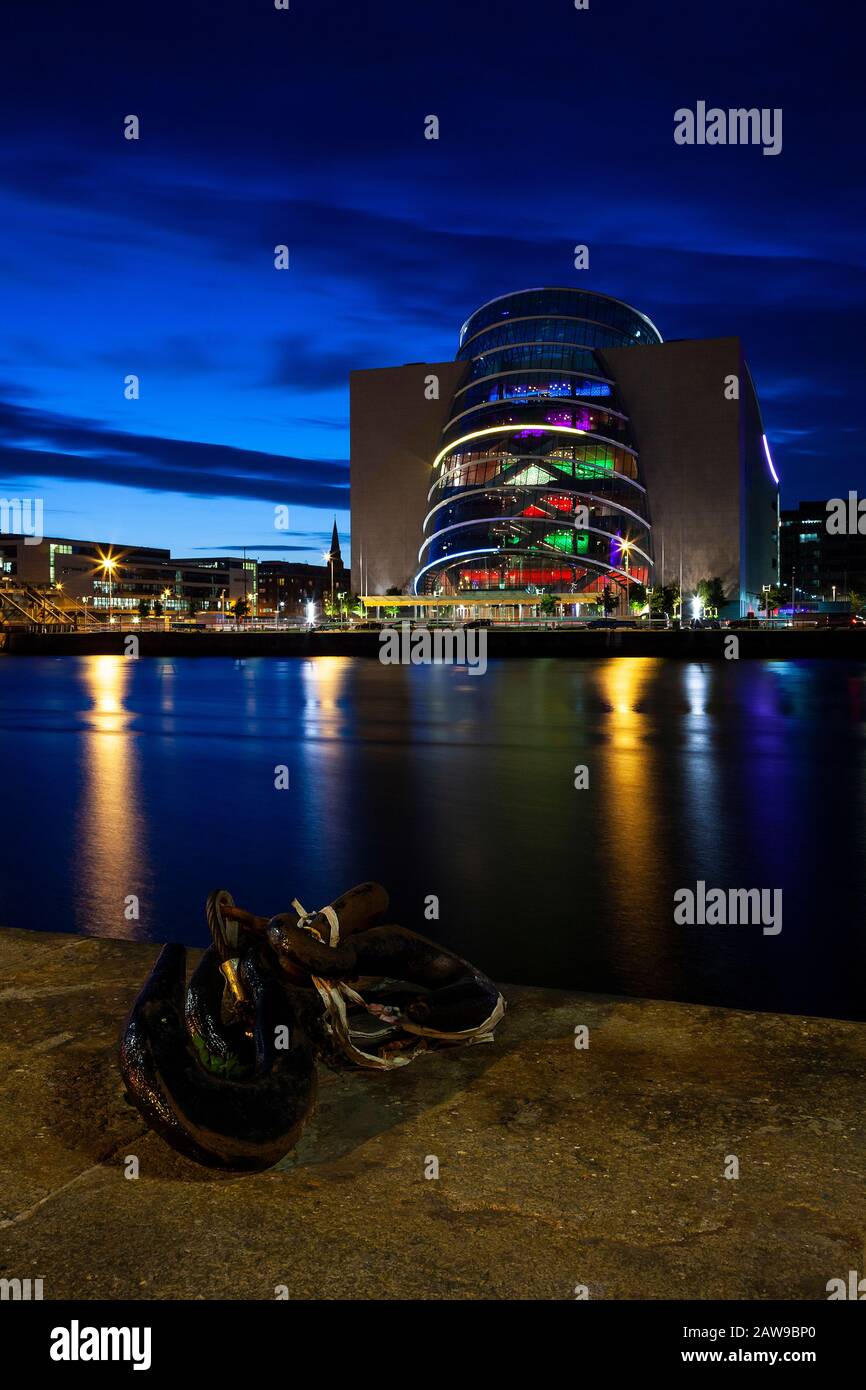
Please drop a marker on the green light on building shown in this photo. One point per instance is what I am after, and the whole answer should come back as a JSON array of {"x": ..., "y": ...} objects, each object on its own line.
[{"x": 571, "y": 541}]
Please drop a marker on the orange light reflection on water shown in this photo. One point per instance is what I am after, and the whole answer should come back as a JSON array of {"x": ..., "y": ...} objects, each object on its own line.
[
  {"x": 111, "y": 853},
  {"x": 627, "y": 781}
]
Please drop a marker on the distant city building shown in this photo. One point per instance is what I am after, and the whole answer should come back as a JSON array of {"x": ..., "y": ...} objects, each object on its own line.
[
  {"x": 287, "y": 589},
  {"x": 565, "y": 449},
  {"x": 92, "y": 572},
  {"x": 815, "y": 560},
  {"x": 96, "y": 571}
]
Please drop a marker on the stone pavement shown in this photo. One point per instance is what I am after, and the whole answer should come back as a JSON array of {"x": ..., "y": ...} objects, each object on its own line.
[{"x": 602, "y": 1167}]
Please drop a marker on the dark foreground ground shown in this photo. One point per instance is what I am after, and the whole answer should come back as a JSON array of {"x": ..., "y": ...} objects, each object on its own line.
[
  {"x": 783, "y": 644},
  {"x": 558, "y": 1167}
]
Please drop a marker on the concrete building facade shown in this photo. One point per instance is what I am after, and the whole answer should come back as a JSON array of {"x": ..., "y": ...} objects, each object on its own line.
[
  {"x": 713, "y": 501},
  {"x": 397, "y": 417}
]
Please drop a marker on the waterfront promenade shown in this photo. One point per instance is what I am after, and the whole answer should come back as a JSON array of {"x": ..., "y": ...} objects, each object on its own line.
[
  {"x": 784, "y": 644},
  {"x": 602, "y": 1167}
]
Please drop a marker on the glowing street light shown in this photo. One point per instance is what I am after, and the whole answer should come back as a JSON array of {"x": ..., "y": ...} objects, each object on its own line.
[
  {"x": 108, "y": 564},
  {"x": 625, "y": 551}
]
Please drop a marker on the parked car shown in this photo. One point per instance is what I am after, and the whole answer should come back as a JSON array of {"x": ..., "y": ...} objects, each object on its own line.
[
  {"x": 612, "y": 622},
  {"x": 845, "y": 620},
  {"x": 479, "y": 622}
]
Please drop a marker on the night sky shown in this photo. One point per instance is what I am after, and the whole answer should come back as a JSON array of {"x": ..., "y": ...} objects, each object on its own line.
[{"x": 306, "y": 127}]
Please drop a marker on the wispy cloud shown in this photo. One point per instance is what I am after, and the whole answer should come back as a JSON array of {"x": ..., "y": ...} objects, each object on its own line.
[{"x": 40, "y": 443}]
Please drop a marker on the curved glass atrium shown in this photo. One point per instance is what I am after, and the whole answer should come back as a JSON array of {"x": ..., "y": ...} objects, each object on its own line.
[{"x": 537, "y": 483}]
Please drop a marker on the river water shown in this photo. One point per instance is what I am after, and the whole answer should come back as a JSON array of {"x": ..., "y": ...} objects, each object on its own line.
[{"x": 155, "y": 780}]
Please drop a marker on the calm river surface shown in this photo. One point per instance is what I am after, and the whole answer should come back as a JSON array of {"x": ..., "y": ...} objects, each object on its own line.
[{"x": 155, "y": 778}]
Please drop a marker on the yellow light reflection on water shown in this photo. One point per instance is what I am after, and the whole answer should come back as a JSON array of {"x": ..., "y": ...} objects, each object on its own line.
[
  {"x": 111, "y": 854},
  {"x": 323, "y": 680},
  {"x": 106, "y": 679},
  {"x": 627, "y": 788}
]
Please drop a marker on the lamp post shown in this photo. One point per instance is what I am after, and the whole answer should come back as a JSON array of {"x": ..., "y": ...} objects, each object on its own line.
[
  {"x": 625, "y": 549},
  {"x": 108, "y": 565},
  {"x": 328, "y": 556}
]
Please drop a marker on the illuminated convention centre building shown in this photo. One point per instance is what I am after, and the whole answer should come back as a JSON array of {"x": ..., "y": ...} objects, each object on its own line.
[{"x": 566, "y": 449}]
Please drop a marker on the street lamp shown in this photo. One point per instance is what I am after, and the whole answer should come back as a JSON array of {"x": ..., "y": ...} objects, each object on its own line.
[
  {"x": 765, "y": 589},
  {"x": 108, "y": 565},
  {"x": 326, "y": 556},
  {"x": 625, "y": 550}
]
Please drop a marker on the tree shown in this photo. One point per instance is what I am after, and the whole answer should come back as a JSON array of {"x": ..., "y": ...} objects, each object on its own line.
[
  {"x": 770, "y": 599},
  {"x": 335, "y": 607},
  {"x": 144, "y": 607},
  {"x": 637, "y": 596},
  {"x": 664, "y": 600},
  {"x": 547, "y": 605},
  {"x": 157, "y": 608},
  {"x": 857, "y": 601},
  {"x": 609, "y": 598},
  {"x": 241, "y": 609},
  {"x": 711, "y": 593}
]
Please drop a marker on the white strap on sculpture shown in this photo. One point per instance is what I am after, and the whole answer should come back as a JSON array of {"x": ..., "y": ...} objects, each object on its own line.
[{"x": 335, "y": 995}]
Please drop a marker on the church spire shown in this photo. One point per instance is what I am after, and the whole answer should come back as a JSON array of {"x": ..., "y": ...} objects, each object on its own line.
[{"x": 335, "y": 553}]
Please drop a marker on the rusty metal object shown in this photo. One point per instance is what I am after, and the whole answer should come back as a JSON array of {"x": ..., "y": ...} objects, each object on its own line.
[
  {"x": 242, "y": 1125},
  {"x": 224, "y": 1068}
]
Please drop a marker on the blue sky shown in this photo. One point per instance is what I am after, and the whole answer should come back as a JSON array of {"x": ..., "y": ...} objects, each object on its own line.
[{"x": 305, "y": 127}]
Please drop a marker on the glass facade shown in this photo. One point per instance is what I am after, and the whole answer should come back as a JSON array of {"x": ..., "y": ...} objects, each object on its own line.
[
  {"x": 537, "y": 482},
  {"x": 561, "y": 303}
]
